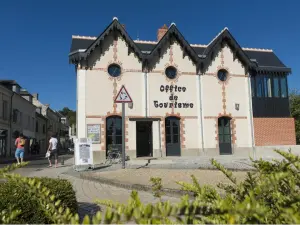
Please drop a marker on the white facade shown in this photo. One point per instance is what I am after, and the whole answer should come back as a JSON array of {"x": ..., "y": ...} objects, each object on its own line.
[{"x": 201, "y": 107}]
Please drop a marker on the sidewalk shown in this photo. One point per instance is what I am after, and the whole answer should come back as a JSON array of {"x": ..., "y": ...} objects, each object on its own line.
[
  {"x": 139, "y": 179},
  {"x": 27, "y": 157}
]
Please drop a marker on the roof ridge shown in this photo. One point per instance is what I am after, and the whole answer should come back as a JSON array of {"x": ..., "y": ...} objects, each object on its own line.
[
  {"x": 192, "y": 45},
  {"x": 258, "y": 49},
  {"x": 84, "y": 37},
  {"x": 225, "y": 28}
]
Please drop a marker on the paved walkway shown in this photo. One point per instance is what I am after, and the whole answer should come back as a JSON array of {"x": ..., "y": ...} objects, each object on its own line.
[{"x": 88, "y": 191}]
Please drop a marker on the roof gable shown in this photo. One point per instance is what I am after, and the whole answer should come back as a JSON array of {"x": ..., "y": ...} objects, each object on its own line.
[
  {"x": 173, "y": 32},
  {"x": 114, "y": 26},
  {"x": 225, "y": 37}
]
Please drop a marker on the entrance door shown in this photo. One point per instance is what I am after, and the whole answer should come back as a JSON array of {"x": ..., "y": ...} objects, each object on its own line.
[
  {"x": 224, "y": 136},
  {"x": 172, "y": 136},
  {"x": 143, "y": 138}
]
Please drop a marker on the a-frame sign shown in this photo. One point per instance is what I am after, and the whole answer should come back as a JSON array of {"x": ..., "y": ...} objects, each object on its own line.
[{"x": 123, "y": 96}]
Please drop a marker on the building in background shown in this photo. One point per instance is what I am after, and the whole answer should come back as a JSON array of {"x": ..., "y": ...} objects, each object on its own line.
[
  {"x": 40, "y": 131},
  {"x": 188, "y": 99},
  {"x": 22, "y": 115},
  {"x": 64, "y": 131},
  {"x": 5, "y": 121}
]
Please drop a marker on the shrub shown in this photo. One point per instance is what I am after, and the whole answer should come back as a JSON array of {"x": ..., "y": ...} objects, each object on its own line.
[
  {"x": 269, "y": 195},
  {"x": 15, "y": 194}
]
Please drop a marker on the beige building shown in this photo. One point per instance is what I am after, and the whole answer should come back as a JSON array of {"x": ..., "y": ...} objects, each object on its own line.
[
  {"x": 5, "y": 121},
  {"x": 22, "y": 114},
  {"x": 40, "y": 130},
  {"x": 188, "y": 99}
]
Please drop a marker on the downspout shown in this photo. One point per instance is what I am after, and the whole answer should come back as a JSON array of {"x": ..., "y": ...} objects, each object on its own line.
[
  {"x": 146, "y": 94},
  {"x": 10, "y": 122},
  {"x": 251, "y": 116},
  {"x": 200, "y": 113}
]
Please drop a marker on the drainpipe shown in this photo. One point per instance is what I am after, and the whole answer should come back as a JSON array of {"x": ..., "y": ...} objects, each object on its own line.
[
  {"x": 200, "y": 113},
  {"x": 10, "y": 122},
  {"x": 146, "y": 94},
  {"x": 251, "y": 117}
]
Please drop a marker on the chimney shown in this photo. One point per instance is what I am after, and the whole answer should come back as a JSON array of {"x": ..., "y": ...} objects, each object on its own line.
[
  {"x": 36, "y": 96},
  {"x": 123, "y": 25},
  {"x": 161, "y": 32},
  {"x": 47, "y": 105}
]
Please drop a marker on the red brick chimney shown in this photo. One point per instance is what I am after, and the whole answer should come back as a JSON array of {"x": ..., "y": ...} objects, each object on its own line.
[{"x": 161, "y": 32}]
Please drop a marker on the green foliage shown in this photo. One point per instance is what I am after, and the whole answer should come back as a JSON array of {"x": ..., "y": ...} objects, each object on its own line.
[
  {"x": 70, "y": 114},
  {"x": 295, "y": 111},
  {"x": 26, "y": 200},
  {"x": 156, "y": 186},
  {"x": 270, "y": 194}
]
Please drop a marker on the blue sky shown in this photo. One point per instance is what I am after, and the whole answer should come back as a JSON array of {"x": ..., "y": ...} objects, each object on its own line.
[{"x": 36, "y": 35}]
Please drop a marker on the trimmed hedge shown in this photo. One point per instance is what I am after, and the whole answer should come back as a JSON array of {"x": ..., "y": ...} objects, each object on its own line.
[{"x": 18, "y": 196}]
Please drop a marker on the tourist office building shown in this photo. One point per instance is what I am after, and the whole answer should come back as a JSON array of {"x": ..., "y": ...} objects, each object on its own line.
[{"x": 188, "y": 99}]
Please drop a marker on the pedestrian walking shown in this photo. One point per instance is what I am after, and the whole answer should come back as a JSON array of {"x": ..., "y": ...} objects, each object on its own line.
[
  {"x": 20, "y": 143},
  {"x": 53, "y": 150}
]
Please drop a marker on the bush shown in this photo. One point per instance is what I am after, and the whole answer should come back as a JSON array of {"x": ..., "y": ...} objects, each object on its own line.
[
  {"x": 269, "y": 195},
  {"x": 14, "y": 194}
]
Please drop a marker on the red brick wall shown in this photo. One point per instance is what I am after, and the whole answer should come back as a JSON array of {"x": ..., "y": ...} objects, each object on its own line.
[{"x": 274, "y": 131}]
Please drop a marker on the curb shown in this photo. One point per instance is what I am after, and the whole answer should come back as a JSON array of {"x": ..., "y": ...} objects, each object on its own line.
[{"x": 139, "y": 187}]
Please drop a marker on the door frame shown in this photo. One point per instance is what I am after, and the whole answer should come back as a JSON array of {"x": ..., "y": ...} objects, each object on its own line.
[
  {"x": 231, "y": 147},
  {"x": 150, "y": 125}
]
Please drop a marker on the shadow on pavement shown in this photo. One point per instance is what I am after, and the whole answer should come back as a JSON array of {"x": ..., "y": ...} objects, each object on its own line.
[{"x": 86, "y": 208}]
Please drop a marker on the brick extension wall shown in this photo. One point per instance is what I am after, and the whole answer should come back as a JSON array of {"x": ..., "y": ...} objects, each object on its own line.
[{"x": 274, "y": 131}]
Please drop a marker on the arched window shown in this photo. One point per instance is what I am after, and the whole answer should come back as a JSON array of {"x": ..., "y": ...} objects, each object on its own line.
[{"x": 113, "y": 132}]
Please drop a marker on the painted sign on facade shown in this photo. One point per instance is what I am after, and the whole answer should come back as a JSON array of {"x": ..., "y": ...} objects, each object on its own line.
[{"x": 93, "y": 132}]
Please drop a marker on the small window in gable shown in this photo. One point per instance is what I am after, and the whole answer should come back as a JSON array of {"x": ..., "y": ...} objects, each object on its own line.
[{"x": 171, "y": 72}]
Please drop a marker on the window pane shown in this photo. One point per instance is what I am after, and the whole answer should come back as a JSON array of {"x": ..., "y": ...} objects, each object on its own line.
[
  {"x": 267, "y": 85},
  {"x": 253, "y": 86},
  {"x": 167, "y": 122},
  {"x": 118, "y": 130},
  {"x": 168, "y": 130},
  {"x": 259, "y": 86},
  {"x": 283, "y": 87},
  {"x": 276, "y": 87},
  {"x": 227, "y": 139},
  {"x": 221, "y": 138},
  {"x": 175, "y": 130},
  {"x": 119, "y": 123},
  {"x": 175, "y": 138},
  {"x": 118, "y": 139},
  {"x": 109, "y": 140},
  {"x": 168, "y": 139},
  {"x": 226, "y": 130},
  {"x": 174, "y": 123}
]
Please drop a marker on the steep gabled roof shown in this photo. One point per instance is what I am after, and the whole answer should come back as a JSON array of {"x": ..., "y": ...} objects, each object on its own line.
[
  {"x": 259, "y": 60},
  {"x": 174, "y": 32},
  {"x": 225, "y": 37},
  {"x": 113, "y": 26}
]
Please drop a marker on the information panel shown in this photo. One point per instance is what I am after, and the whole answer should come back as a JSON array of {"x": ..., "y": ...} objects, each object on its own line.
[
  {"x": 93, "y": 132},
  {"x": 83, "y": 152}
]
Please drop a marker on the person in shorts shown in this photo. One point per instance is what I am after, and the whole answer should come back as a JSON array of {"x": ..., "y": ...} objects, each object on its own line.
[
  {"x": 53, "y": 142},
  {"x": 20, "y": 143}
]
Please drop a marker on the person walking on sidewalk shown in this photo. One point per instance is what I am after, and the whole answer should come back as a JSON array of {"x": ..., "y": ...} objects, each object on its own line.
[
  {"x": 20, "y": 143},
  {"x": 53, "y": 150}
]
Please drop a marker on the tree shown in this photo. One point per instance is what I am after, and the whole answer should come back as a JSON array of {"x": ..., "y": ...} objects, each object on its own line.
[
  {"x": 70, "y": 114},
  {"x": 295, "y": 111}
]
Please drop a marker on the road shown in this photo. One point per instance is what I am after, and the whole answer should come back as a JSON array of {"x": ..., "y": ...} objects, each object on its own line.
[{"x": 86, "y": 191}]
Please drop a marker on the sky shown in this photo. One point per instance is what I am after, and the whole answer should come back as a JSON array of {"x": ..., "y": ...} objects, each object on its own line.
[{"x": 35, "y": 35}]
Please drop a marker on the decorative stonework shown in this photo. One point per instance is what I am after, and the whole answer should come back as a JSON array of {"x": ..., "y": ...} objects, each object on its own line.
[
  {"x": 178, "y": 74},
  {"x": 171, "y": 59},
  {"x": 222, "y": 57},
  {"x": 224, "y": 98},
  {"x": 115, "y": 50},
  {"x": 115, "y": 92},
  {"x": 119, "y": 63}
]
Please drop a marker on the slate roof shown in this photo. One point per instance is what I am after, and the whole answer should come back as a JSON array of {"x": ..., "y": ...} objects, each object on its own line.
[{"x": 256, "y": 59}]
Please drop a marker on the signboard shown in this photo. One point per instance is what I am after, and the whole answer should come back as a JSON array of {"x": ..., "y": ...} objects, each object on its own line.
[
  {"x": 83, "y": 152},
  {"x": 123, "y": 96},
  {"x": 93, "y": 133}
]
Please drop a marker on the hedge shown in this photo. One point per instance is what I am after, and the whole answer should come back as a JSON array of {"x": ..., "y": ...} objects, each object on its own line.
[{"x": 16, "y": 195}]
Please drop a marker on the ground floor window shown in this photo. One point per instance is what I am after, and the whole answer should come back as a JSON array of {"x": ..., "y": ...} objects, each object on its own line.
[
  {"x": 224, "y": 135},
  {"x": 3, "y": 143},
  {"x": 113, "y": 132}
]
